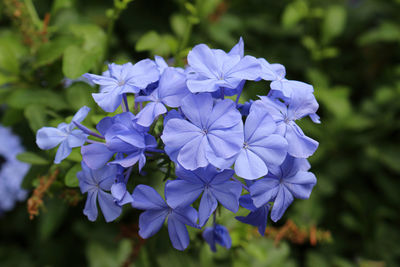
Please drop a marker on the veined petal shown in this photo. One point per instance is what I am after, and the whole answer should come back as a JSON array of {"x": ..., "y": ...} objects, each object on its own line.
[
  {"x": 201, "y": 59},
  {"x": 282, "y": 201},
  {"x": 180, "y": 193},
  {"x": 49, "y": 137},
  {"x": 110, "y": 209},
  {"x": 249, "y": 165},
  {"x": 264, "y": 190},
  {"x": 228, "y": 194},
  {"x": 272, "y": 149},
  {"x": 90, "y": 209},
  {"x": 108, "y": 101},
  {"x": 208, "y": 204},
  {"x": 301, "y": 184},
  {"x": 96, "y": 155},
  {"x": 63, "y": 152},
  {"x": 193, "y": 154},
  {"x": 248, "y": 68},
  {"x": 223, "y": 115},
  {"x": 146, "y": 198},
  {"x": 178, "y": 233},
  {"x": 300, "y": 145},
  {"x": 151, "y": 221},
  {"x": 151, "y": 111},
  {"x": 197, "y": 108}
]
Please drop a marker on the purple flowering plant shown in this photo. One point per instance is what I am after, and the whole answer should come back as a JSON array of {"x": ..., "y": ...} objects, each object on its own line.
[{"x": 216, "y": 150}]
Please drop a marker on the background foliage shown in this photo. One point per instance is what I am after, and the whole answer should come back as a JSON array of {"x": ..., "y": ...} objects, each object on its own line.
[{"x": 349, "y": 50}]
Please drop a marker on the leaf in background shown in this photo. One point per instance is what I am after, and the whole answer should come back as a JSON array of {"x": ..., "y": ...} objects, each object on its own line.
[
  {"x": 51, "y": 51},
  {"x": 148, "y": 41},
  {"x": 79, "y": 94},
  {"x": 333, "y": 23},
  {"x": 70, "y": 178},
  {"x": 385, "y": 32},
  {"x": 52, "y": 219},
  {"x": 20, "y": 98},
  {"x": 162, "y": 45},
  {"x": 32, "y": 158},
  {"x": 36, "y": 116},
  {"x": 178, "y": 24},
  {"x": 11, "y": 116},
  {"x": 294, "y": 13},
  {"x": 99, "y": 255},
  {"x": 77, "y": 61}
]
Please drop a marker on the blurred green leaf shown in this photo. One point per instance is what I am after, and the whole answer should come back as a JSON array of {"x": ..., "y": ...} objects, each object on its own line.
[
  {"x": 148, "y": 41},
  {"x": 178, "y": 24},
  {"x": 32, "y": 158},
  {"x": 51, "y": 51},
  {"x": 71, "y": 180},
  {"x": 77, "y": 61},
  {"x": 79, "y": 94},
  {"x": 385, "y": 32},
  {"x": 294, "y": 13},
  {"x": 52, "y": 219},
  {"x": 20, "y": 98},
  {"x": 99, "y": 255},
  {"x": 333, "y": 23},
  {"x": 36, "y": 116}
]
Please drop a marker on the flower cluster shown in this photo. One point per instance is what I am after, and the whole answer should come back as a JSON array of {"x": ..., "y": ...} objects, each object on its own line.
[
  {"x": 224, "y": 153},
  {"x": 12, "y": 171}
]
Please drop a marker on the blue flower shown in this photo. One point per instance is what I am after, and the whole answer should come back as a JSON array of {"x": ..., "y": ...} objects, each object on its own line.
[
  {"x": 213, "y": 69},
  {"x": 12, "y": 171},
  {"x": 217, "y": 234},
  {"x": 261, "y": 148},
  {"x": 215, "y": 185},
  {"x": 64, "y": 135},
  {"x": 301, "y": 104},
  {"x": 276, "y": 73},
  {"x": 122, "y": 135},
  {"x": 212, "y": 134},
  {"x": 257, "y": 216},
  {"x": 95, "y": 183},
  {"x": 156, "y": 211},
  {"x": 170, "y": 92},
  {"x": 118, "y": 189},
  {"x": 121, "y": 79},
  {"x": 283, "y": 184}
]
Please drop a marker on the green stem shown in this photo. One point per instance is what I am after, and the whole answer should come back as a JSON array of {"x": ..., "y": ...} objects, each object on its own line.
[{"x": 33, "y": 14}]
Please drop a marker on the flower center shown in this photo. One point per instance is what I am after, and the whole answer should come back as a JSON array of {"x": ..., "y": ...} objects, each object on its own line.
[
  {"x": 245, "y": 145},
  {"x": 121, "y": 83},
  {"x": 204, "y": 131}
]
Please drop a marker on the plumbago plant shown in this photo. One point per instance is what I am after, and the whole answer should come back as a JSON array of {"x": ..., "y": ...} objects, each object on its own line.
[{"x": 223, "y": 154}]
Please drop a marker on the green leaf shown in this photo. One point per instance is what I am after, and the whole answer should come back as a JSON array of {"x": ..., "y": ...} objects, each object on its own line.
[
  {"x": 21, "y": 98},
  {"x": 80, "y": 94},
  {"x": 36, "y": 116},
  {"x": 386, "y": 32},
  {"x": 51, "y": 51},
  {"x": 70, "y": 178},
  {"x": 77, "y": 61},
  {"x": 178, "y": 24},
  {"x": 294, "y": 13},
  {"x": 32, "y": 158},
  {"x": 334, "y": 22},
  {"x": 51, "y": 220},
  {"x": 148, "y": 41}
]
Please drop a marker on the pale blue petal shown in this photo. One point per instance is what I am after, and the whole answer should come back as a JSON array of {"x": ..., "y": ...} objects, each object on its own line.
[{"x": 49, "y": 137}]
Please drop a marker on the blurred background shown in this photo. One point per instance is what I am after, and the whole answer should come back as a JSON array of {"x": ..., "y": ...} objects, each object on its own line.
[{"x": 348, "y": 50}]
